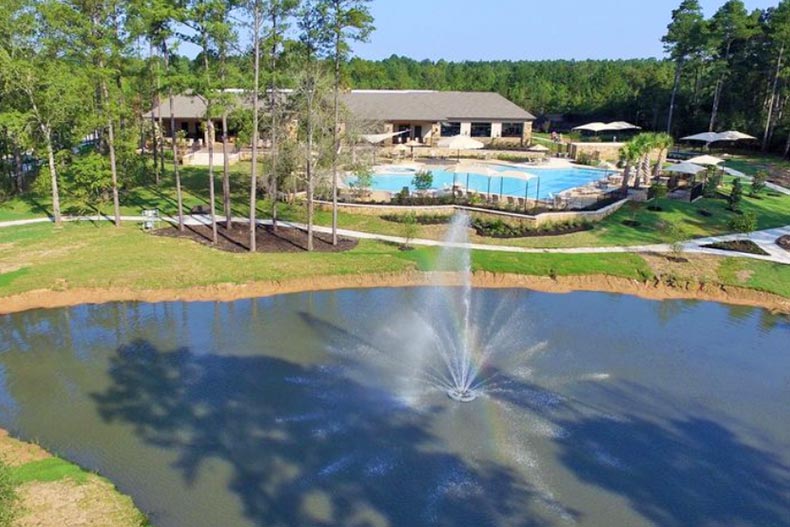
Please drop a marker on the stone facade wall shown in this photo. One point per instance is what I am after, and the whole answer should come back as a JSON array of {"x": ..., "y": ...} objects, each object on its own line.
[{"x": 535, "y": 220}]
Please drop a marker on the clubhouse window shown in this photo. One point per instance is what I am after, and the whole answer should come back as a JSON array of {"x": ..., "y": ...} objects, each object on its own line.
[
  {"x": 451, "y": 129},
  {"x": 481, "y": 130},
  {"x": 512, "y": 129}
]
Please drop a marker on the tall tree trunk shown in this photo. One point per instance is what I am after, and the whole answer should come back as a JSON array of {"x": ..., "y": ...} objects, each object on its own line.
[
  {"x": 19, "y": 170},
  {"x": 715, "y": 109},
  {"x": 226, "y": 173},
  {"x": 310, "y": 168},
  {"x": 54, "y": 176},
  {"x": 336, "y": 137},
  {"x": 626, "y": 178},
  {"x": 256, "y": 89},
  {"x": 212, "y": 198},
  {"x": 111, "y": 145},
  {"x": 718, "y": 89},
  {"x": 273, "y": 103},
  {"x": 210, "y": 141},
  {"x": 675, "y": 86},
  {"x": 774, "y": 85},
  {"x": 176, "y": 174},
  {"x": 154, "y": 135}
]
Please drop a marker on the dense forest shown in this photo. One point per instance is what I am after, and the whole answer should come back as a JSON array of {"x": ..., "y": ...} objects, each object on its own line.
[
  {"x": 77, "y": 69},
  {"x": 634, "y": 89}
]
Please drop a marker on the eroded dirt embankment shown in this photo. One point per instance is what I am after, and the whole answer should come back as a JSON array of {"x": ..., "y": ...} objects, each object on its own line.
[{"x": 562, "y": 284}]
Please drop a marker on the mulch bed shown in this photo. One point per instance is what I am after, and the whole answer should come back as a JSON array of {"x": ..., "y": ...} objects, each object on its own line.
[
  {"x": 740, "y": 246},
  {"x": 236, "y": 240},
  {"x": 784, "y": 242}
]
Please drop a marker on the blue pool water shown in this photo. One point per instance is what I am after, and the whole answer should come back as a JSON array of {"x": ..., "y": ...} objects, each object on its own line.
[{"x": 547, "y": 181}]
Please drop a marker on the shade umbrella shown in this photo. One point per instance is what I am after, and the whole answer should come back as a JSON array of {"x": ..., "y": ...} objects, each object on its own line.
[
  {"x": 538, "y": 148},
  {"x": 592, "y": 127},
  {"x": 464, "y": 168},
  {"x": 705, "y": 160},
  {"x": 685, "y": 168},
  {"x": 377, "y": 139},
  {"x": 704, "y": 137},
  {"x": 411, "y": 143},
  {"x": 733, "y": 135},
  {"x": 622, "y": 125},
  {"x": 458, "y": 143}
]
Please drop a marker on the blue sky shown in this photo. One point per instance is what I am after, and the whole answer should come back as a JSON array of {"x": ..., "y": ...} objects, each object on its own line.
[{"x": 523, "y": 29}]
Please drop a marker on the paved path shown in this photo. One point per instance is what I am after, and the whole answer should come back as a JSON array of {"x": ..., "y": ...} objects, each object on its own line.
[{"x": 766, "y": 239}]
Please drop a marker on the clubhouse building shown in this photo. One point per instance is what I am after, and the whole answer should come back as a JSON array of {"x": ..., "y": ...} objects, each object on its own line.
[{"x": 419, "y": 115}]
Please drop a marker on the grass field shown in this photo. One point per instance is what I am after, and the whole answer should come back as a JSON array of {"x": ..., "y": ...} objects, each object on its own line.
[{"x": 87, "y": 255}]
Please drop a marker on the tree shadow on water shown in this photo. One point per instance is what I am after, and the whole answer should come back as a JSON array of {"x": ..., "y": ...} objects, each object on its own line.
[
  {"x": 681, "y": 471},
  {"x": 305, "y": 445}
]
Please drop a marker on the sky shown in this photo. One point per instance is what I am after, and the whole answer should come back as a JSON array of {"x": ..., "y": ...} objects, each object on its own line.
[{"x": 457, "y": 30}]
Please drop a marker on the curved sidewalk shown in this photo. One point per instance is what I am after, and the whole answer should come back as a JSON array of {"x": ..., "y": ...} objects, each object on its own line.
[{"x": 765, "y": 239}]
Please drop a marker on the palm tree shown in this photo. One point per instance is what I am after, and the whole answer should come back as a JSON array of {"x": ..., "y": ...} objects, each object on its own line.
[
  {"x": 663, "y": 142},
  {"x": 629, "y": 154}
]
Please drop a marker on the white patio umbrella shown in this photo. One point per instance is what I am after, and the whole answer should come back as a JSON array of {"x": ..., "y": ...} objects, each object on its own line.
[
  {"x": 592, "y": 127},
  {"x": 411, "y": 143},
  {"x": 705, "y": 160},
  {"x": 622, "y": 125},
  {"x": 458, "y": 143},
  {"x": 685, "y": 168},
  {"x": 704, "y": 137},
  {"x": 538, "y": 148},
  {"x": 376, "y": 139},
  {"x": 733, "y": 135}
]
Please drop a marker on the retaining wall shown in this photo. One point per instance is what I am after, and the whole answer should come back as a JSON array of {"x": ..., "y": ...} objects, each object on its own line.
[{"x": 535, "y": 220}]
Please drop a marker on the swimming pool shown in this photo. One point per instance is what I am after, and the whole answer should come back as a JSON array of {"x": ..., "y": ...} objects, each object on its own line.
[{"x": 545, "y": 183}]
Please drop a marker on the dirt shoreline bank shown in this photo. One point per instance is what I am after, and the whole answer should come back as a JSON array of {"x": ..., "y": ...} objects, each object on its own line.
[{"x": 564, "y": 284}]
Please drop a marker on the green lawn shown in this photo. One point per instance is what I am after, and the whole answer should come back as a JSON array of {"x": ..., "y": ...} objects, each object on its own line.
[
  {"x": 91, "y": 255},
  {"x": 756, "y": 274}
]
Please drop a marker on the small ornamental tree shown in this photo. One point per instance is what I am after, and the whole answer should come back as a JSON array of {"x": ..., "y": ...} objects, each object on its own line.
[
  {"x": 659, "y": 192},
  {"x": 423, "y": 180},
  {"x": 746, "y": 222},
  {"x": 409, "y": 229},
  {"x": 758, "y": 183},
  {"x": 736, "y": 195},
  {"x": 712, "y": 184},
  {"x": 364, "y": 181}
]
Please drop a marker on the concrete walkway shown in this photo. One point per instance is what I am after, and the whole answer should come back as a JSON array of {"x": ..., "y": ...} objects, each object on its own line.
[{"x": 766, "y": 239}]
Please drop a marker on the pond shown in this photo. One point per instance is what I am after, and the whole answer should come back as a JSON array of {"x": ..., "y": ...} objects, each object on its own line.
[{"x": 298, "y": 410}]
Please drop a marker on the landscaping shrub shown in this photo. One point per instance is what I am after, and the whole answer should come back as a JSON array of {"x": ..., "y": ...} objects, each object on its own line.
[
  {"x": 746, "y": 222},
  {"x": 7, "y": 496},
  {"x": 499, "y": 228},
  {"x": 422, "y": 219}
]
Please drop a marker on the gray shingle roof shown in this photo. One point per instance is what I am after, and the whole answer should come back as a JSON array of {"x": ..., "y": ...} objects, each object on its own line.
[
  {"x": 432, "y": 106},
  {"x": 385, "y": 105},
  {"x": 185, "y": 107}
]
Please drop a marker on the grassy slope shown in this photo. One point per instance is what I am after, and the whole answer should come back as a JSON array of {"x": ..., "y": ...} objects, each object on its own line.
[{"x": 87, "y": 255}]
